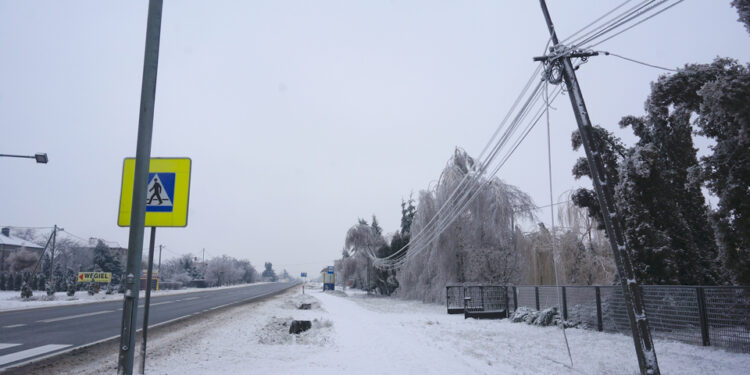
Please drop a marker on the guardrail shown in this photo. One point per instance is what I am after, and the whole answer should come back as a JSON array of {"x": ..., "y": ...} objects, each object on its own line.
[{"x": 701, "y": 315}]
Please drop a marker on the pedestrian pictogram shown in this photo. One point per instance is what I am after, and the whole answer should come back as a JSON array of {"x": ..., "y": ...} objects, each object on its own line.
[{"x": 160, "y": 192}]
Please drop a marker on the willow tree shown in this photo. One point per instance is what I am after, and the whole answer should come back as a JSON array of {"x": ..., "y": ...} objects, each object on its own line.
[{"x": 478, "y": 246}]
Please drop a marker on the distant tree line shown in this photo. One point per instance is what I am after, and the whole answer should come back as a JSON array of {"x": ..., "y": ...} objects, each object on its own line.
[
  {"x": 217, "y": 271},
  {"x": 71, "y": 257}
]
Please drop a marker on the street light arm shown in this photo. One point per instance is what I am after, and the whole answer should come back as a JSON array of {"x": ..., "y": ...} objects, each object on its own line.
[{"x": 40, "y": 157}]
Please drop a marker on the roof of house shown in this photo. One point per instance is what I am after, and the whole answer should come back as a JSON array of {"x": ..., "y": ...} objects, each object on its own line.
[{"x": 17, "y": 241}]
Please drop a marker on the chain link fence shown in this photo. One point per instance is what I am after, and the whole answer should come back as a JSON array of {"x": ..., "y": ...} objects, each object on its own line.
[{"x": 700, "y": 315}]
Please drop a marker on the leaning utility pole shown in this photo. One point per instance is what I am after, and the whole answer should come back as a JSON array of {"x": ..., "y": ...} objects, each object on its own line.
[
  {"x": 158, "y": 269},
  {"x": 140, "y": 184},
  {"x": 51, "y": 283},
  {"x": 560, "y": 61}
]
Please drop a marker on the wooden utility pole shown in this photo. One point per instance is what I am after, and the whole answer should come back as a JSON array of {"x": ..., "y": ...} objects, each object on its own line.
[{"x": 560, "y": 60}]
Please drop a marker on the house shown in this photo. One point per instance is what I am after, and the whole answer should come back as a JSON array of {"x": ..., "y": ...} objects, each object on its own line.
[{"x": 11, "y": 244}]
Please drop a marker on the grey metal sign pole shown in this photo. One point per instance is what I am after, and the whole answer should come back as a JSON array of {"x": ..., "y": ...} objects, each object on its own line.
[
  {"x": 140, "y": 182},
  {"x": 644, "y": 345},
  {"x": 147, "y": 303}
]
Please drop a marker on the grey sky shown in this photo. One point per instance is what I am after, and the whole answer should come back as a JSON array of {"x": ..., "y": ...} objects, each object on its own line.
[{"x": 300, "y": 116}]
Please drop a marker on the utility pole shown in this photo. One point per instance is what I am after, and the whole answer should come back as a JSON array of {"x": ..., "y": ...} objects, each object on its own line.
[
  {"x": 560, "y": 60},
  {"x": 204, "y": 264},
  {"x": 158, "y": 269},
  {"x": 140, "y": 184},
  {"x": 51, "y": 282}
]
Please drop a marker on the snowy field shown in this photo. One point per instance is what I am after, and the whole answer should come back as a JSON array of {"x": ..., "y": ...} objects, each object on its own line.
[
  {"x": 11, "y": 300},
  {"x": 356, "y": 334}
]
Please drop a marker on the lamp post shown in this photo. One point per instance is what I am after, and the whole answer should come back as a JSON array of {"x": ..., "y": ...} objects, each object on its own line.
[{"x": 41, "y": 158}]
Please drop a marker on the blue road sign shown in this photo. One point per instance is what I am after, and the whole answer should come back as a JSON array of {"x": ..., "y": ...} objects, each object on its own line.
[
  {"x": 160, "y": 192},
  {"x": 303, "y": 274},
  {"x": 330, "y": 269}
]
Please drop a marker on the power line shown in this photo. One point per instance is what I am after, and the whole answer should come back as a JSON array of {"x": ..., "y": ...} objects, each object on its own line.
[
  {"x": 415, "y": 247},
  {"x": 638, "y": 23},
  {"x": 595, "y": 21},
  {"x": 637, "y": 61},
  {"x": 622, "y": 19}
]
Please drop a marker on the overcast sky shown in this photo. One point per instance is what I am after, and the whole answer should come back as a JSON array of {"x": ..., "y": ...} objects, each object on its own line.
[{"x": 301, "y": 116}]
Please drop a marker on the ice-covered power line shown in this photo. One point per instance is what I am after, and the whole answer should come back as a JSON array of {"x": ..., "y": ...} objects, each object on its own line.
[
  {"x": 640, "y": 17},
  {"x": 441, "y": 221},
  {"x": 416, "y": 247},
  {"x": 636, "y": 61},
  {"x": 610, "y": 23},
  {"x": 592, "y": 23},
  {"x": 470, "y": 179}
]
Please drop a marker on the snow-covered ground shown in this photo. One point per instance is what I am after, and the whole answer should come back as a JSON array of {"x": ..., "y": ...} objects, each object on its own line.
[
  {"x": 356, "y": 334},
  {"x": 11, "y": 300}
]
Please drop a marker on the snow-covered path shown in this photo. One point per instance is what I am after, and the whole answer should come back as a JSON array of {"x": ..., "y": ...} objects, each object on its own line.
[
  {"x": 385, "y": 341},
  {"x": 357, "y": 334}
]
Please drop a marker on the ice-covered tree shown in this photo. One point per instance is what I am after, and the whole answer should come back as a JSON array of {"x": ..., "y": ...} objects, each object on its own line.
[
  {"x": 585, "y": 257},
  {"x": 362, "y": 243},
  {"x": 477, "y": 246},
  {"x": 407, "y": 215},
  {"x": 713, "y": 98},
  {"x": 612, "y": 151},
  {"x": 743, "y": 10}
]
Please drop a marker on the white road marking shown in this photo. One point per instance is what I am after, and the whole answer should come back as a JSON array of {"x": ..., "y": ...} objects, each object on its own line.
[
  {"x": 6, "y": 346},
  {"x": 156, "y": 304},
  {"x": 14, "y": 326},
  {"x": 23, "y": 354},
  {"x": 74, "y": 316},
  {"x": 190, "y": 299}
]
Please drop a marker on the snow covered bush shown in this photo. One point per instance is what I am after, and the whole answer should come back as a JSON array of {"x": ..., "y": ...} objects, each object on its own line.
[{"x": 26, "y": 292}]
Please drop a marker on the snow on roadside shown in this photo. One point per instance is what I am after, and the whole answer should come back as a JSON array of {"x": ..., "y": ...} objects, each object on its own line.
[
  {"x": 370, "y": 335},
  {"x": 11, "y": 300}
]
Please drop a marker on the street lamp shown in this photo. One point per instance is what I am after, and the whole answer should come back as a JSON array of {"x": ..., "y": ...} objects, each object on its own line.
[{"x": 41, "y": 158}]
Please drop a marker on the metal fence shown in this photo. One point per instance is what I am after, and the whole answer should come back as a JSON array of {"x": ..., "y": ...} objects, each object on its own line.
[{"x": 700, "y": 315}]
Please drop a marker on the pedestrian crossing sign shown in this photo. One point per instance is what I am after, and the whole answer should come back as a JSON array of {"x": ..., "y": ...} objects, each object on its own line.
[
  {"x": 167, "y": 192},
  {"x": 160, "y": 192}
]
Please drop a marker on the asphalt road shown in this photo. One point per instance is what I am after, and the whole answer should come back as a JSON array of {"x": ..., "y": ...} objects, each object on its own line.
[{"x": 33, "y": 333}]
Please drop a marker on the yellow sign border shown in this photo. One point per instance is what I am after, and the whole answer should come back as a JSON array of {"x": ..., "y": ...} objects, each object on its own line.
[{"x": 181, "y": 167}]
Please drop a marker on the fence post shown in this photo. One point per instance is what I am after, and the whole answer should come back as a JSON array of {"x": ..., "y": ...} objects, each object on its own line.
[
  {"x": 507, "y": 303},
  {"x": 564, "y": 304},
  {"x": 515, "y": 299},
  {"x": 536, "y": 296},
  {"x": 481, "y": 297},
  {"x": 703, "y": 316},
  {"x": 447, "y": 299},
  {"x": 599, "y": 325}
]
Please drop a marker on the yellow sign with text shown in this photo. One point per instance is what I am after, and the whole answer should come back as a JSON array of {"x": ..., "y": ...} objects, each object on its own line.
[
  {"x": 94, "y": 277},
  {"x": 166, "y": 196}
]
